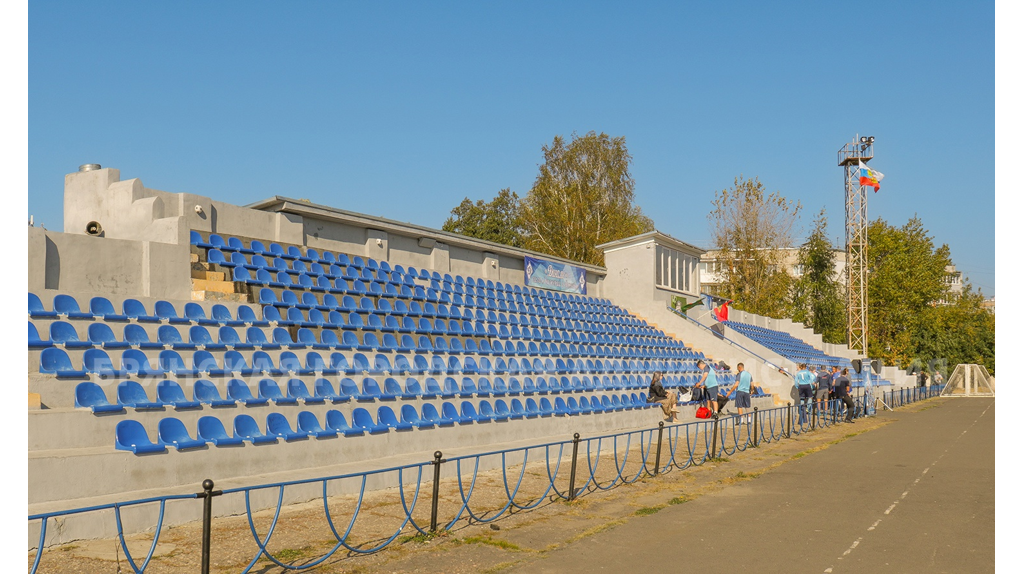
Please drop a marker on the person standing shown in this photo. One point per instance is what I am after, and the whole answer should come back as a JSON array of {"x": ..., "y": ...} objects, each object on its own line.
[
  {"x": 742, "y": 388},
  {"x": 804, "y": 381},
  {"x": 669, "y": 399},
  {"x": 709, "y": 382},
  {"x": 824, "y": 385},
  {"x": 937, "y": 379},
  {"x": 842, "y": 390},
  {"x": 922, "y": 378}
]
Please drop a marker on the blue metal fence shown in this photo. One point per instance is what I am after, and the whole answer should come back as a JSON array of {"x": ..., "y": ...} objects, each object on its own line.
[{"x": 688, "y": 444}]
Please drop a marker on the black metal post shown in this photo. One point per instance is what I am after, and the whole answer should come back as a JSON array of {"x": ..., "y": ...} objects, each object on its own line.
[
  {"x": 437, "y": 489},
  {"x": 572, "y": 471},
  {"x": 714, "y": 438},
  {"x": 789, "y": 420},
  {"x": 207, "y": 495},
  {"x": 657, "y": 457},
  {"x": 755, "y": 428}
]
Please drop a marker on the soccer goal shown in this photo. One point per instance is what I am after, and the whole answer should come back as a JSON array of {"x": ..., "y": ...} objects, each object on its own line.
[{"x": 969, "y": 381}]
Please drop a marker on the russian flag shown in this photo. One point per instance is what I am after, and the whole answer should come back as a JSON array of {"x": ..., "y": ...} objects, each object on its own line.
[{"x": 870, "y": 177}]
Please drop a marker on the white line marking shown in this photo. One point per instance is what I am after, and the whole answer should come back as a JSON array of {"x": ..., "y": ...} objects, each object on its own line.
[{"x": 917, "y": 480}]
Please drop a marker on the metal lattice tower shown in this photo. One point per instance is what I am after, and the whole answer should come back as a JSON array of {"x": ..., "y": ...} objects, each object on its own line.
[{"x": 861, "y": 149}]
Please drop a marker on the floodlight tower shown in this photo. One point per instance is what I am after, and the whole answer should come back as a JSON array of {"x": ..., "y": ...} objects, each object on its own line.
[{"x": 861, "y": 149}]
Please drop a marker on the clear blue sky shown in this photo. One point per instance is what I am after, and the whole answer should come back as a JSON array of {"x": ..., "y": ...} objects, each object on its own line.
[{"x": 403, "y": 109}]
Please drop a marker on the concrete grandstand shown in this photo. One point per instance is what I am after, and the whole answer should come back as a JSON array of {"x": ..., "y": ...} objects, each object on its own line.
[{"x": 174, "y": 338}]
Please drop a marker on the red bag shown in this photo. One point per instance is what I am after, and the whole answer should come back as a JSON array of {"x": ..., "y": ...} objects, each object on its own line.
[{"x": 703, "y": 413}]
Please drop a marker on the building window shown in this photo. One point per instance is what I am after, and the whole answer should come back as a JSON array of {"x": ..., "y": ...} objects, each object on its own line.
[{"x": 672, "y": 269}]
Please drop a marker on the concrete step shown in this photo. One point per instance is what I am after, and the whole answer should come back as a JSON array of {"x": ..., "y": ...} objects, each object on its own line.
[
  {"x": 221, "y": 297},
  {"x": 208, "y": 275},
  {"x": 215, "y": 285},
  {"x": 193, "y": 257}
]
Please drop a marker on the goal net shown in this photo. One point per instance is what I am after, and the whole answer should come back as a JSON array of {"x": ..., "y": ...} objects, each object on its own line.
[{"x": 969, "y": 381}]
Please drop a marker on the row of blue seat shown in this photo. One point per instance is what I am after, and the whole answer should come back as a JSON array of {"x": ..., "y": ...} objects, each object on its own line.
[
  {"x": 444, "y": 310},
  {"x": 169, "y": 394},
  {"x": 322, "y": 285},
  {"x": 256, "y": 247},
  {"x": 134, "y": 362},
  {"x": 320, "y": 278},
  {"x": 130, "y": 435},
  {"x": 101, "y": 308},
  {"x": 100, "y": 335},
  {"x": 788, "y": 346}
]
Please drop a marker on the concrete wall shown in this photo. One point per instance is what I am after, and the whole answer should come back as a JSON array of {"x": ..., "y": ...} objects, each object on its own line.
[
  {"x": 127, "y": 210},
  {"x": 112, "y": 267}
]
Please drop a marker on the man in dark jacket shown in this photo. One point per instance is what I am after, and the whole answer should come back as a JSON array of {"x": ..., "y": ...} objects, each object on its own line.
[
  {"x": 842, "y": 390},
  {"x": 669, "y": 399}
]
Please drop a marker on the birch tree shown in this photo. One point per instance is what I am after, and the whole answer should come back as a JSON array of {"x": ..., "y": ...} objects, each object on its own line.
[
  {"x": 582, "y": 197},
  {"x": 749, "y": 229}
]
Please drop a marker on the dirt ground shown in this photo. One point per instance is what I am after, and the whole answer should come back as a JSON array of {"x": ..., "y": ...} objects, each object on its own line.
[{"x": 302, "y": 534}]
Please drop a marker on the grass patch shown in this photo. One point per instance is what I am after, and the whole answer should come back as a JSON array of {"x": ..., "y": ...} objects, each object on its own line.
[
  {"x": 68, "y": 547},
  {"x": 291, "y": 554},
  {"x": 718, "y": 459},
  {"x": 420, "y": 537},
  {"x": 679, "y": 500},
  {"x": 596, "y": 530},
  {"x": 648, "y": 510},
  {"x": 742, "y": 474},
  {"x": 503, "y": 544}
]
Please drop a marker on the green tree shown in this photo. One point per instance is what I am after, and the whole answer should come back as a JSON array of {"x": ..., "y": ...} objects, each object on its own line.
[
  {"x": 817, "y": 294},
  {"x": 582, "y": 197},
  {"x": 906, "y": 275},
  {"x": 497, "y": 220},
  {"x": 749, "y": 228},
  {"x": 960, "y": 332}
]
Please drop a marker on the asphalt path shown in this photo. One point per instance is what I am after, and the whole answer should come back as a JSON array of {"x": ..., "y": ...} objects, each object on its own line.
[{"x": 916, "y": 495}]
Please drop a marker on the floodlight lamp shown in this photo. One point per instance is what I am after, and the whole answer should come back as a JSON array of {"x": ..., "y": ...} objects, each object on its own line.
[
  {"x": 863, "y": 139},
  {"x": 871, "y": 139}
]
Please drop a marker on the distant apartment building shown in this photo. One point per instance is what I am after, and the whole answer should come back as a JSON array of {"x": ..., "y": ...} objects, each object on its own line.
[{"x": 712, "y": 268}]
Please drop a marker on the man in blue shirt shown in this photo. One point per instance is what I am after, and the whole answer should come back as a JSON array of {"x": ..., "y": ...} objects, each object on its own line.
[
  {"x": 742, "y": 388},
  {"x": 804, "y": 381},
  {"x": 709, "y": 382}
]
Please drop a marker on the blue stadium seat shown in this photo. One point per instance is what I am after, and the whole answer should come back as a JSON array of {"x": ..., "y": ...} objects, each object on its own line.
[
  {"x": 277, "y": 426},
  {"x": 171, "y": 394},
  {"x": 212, "y": 430},
  {"x": 245, "y": 428},
  {"x": 131, "y": 435},
  {"x": 362, "y": 419},
  {"x": 169, "y": 336},
  {"x": 324, "y": 389},
  {"x": 90, "y": 396},
  {"x": 171, "y": 431},
  {"x": 450, "y": 415},
  {"x": 222, "y": 315},
  {"x": 171, "y": 362},
  {"x": 336, "y": 421},
  {"x": 36, "y": 310},
  {"x": 386, "y": 417},
  {"x": 166, "y": 312},
  {"x": 131, "y": 394},
  {"x": 136, "y": 310},
  {"x": 309, "y": 424},
  {"x": 206, "y": 393},
  {"x": 102, "y": 307},
  {"x": 101, "y": 335},
  {"x": 65, "y": 335},
  {"x": 268, "y": 389},
  {"x": 297, "y": 389},
  {"x": 93, "y": 361},
  {"x": 239, "y": 392},
  {"x": 67, "y": 306},
  {"x": 195, "y": 314}
]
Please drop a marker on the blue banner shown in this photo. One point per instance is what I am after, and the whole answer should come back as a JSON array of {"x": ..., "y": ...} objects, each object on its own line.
[{"x": 555, "y": 276}]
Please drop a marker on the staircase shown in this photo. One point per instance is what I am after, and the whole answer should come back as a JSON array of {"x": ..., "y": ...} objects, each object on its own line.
[{"x": 209, "y": 285}]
